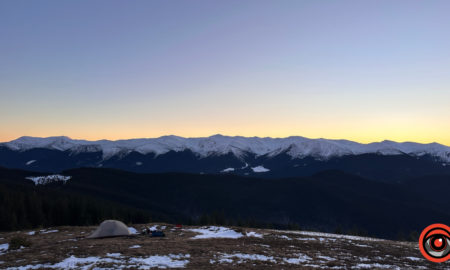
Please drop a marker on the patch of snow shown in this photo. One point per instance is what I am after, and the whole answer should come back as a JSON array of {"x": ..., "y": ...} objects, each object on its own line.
[
  {"x": 228, "y": 170},
  {"x": 160, "y": 262},
  {"x": 90, "y": 262},
  {"x": 138, "y": 163},
  {"x": 52, "y": 231},
  {"x": 260, "y": 169},
  {"x": 43, "y": 180},
  {"x": 3, "y": 248},
  {"x": 414, "y": 258},
  {"x": 330, "y": 235},
  {"x": 301, "y": 259},
  {"x": 133, "y": 230},
  {"x": 246, "y": 165},
  {"x": 254, "y": 234},
  {"x": 224, "y": 257},
  {"x": 31, "y": 233},
  {"x": 135, "y": 246},
  {"x": 31, "y": 161},
  {"x": 284, "y": 237},
  {"x": 326, "y": 258},
  {"x": 215, "y": 232},
  {"x": 117, "y": 255},
  {"x": 374, "y": 265}
]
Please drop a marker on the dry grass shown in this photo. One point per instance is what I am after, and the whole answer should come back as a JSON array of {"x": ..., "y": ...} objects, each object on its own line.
[{"x": 55, "y": 247}]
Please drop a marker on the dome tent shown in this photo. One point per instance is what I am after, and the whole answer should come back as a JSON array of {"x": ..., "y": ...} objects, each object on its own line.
[{"x": 110, "y": 228}]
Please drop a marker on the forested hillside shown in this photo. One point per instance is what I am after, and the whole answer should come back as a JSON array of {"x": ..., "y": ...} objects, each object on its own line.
[
  {"x": 24, "y": 206},
  {"x": 324, "y": 201}
]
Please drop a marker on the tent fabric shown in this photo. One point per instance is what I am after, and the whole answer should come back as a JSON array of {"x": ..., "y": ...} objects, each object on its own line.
[{"x": 110, "y": 228}]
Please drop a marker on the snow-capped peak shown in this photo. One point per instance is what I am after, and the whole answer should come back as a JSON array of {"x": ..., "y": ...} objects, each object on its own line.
[{"x": 295, "y": 146}]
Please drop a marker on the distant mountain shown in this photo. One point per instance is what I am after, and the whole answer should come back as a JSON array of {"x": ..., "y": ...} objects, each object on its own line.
[
  {"x": 264, "y": 157},
  {"x": 323, "y": 200}
]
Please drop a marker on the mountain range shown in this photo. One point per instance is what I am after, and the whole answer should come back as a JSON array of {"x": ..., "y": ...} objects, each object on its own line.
[{"x": 248, "y": 156}]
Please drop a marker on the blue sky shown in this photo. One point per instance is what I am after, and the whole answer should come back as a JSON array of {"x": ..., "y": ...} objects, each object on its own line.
[{"x": 359, "y": 70}]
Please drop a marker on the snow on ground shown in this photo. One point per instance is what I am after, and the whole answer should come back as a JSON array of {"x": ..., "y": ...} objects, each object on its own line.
[
  {"x": 351, "y": 237},
  {"x": 284, "y": 237},
  {"x": 42, "y": 180},
  {"x": 375, "y": 265},
  {"x": 135, "y": 246},
  {"x": 31, "y": 161},
  {"x": 116, "y": 255},
  {"x": 31, "y": 233},
  {"x": 224, "y": 257},
  {"x": 3, "y": 248},
  {"x": 260, "y": 169},
  {"x": 51, "y": 231},
  {"x": 170, "y": 261},
  {"x": 215, "y": 232},
  {"x": 228, "y": 170},
  {"x": 301, "y": 259},
  {"x": 133, "y": 230},
  {"x": 326, "y": 258},
  {"x": 254, "y": 234},
  {"x": 138, "y": 163}
]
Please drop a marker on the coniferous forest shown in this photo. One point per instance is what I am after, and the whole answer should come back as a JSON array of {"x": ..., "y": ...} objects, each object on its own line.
[
  {"x": 330, "y": 201},
  {"x": 24, "y": 206}
]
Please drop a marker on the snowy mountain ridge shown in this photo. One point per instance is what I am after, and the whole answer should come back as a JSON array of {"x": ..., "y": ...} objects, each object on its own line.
[{"x": 295, "y": 146}]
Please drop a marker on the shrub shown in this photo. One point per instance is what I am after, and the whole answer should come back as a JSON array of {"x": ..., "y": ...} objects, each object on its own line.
[{"x": 17, "y": 242}]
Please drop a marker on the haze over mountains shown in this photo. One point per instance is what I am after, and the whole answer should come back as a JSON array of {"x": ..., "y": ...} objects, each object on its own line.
[{"x": 264, "y": 157}]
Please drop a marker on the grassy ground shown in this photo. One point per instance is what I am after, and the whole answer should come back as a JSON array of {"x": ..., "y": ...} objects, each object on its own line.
[{"x": 274, "y": 250}]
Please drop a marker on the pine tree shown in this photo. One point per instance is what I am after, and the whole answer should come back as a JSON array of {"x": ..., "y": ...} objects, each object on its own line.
[{"x": 338, "y": 229}]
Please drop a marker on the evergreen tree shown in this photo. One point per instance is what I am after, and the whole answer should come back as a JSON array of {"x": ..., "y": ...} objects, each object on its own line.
[{"x": 338, "y": 229}]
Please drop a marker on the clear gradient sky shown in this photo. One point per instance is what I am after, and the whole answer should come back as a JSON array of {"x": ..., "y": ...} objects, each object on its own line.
[{"x": 358, "y": 70}]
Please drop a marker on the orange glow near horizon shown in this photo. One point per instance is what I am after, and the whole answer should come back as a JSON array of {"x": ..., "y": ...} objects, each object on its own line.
[{"x": 364, "y": 134}]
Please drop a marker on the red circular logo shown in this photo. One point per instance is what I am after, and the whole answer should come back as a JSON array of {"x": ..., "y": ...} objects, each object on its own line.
[{"x": 434, "y": 243}]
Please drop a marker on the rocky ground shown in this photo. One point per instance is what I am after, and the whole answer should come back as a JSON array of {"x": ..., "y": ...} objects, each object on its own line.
[{"x": 208, "y": 248}]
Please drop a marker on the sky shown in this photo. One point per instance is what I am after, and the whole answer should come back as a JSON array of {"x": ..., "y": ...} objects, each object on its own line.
[{"x": 359, "y": 70}]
